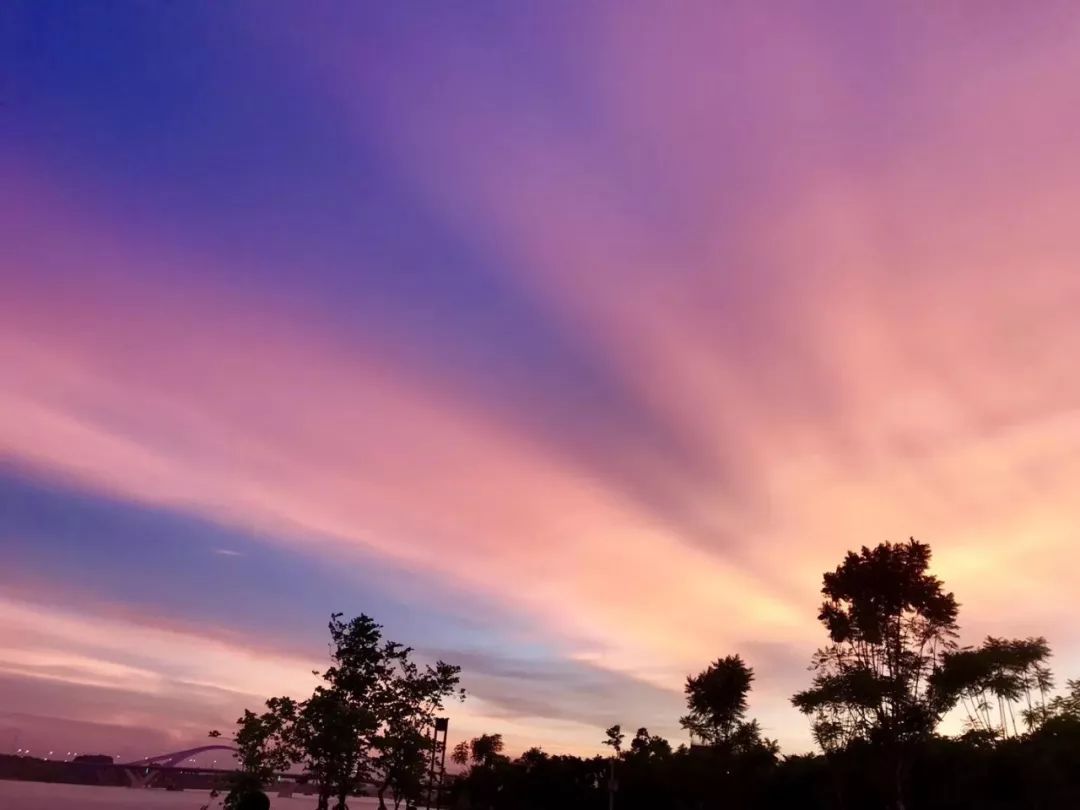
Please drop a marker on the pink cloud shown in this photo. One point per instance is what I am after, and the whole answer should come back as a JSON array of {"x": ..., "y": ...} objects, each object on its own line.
[
  {"x": 880, "y": 340},
  {"x": 222, "y": 406},
  {"x": 870, "y": 307}
]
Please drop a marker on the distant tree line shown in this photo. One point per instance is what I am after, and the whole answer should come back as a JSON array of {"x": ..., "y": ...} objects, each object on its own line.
[{"x": 891, "y": 670}]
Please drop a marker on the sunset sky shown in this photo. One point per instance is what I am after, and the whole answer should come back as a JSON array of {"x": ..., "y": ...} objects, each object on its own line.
[{"x": 572, "y": 341}]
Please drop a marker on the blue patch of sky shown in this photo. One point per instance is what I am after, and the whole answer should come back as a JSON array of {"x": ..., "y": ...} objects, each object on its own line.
[{"x": 170, "y": 564}]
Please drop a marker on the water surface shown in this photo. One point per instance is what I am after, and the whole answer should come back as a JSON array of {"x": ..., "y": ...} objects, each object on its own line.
[{"x": 45, "y": 796}]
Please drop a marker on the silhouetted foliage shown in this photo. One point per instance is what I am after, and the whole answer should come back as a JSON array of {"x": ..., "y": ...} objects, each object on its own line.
[
  {"x": 409, "y": 700},
  {"x": 996, "y": 681},
  {"x": 891, "y": 626},
  {"x": 716, "y": 699},
  {"x": 484, "y": 751},
  {"x": 486, "y": 767},
  {"x": 368, "y": 722},
  {"x": 891, "y": 671},
  {"x": 614, "y": 737},
  {"x": 1066, "y": 706},
  {"x": 647, "y": 745},
  {"x": 263, "y": 747}
]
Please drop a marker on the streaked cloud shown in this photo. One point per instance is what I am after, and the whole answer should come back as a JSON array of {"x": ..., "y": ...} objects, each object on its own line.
[{"x": 615, "y": 337}]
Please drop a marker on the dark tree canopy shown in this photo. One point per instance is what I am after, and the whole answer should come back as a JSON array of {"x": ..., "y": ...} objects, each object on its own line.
[
  {"x": 891, "y": 669},
  {"x": 996, "y": 682},
  {"x": 717, "y": 700},
  {"x": 614, "y": 737},
  {"x": 645, "y": 744},
  {"x": 890, "y": 625},
  {"x": 367, "y": 722},
  {"x": 484, "y": 751}
]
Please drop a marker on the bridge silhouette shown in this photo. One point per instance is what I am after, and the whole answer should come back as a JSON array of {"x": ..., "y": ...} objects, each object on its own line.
[
  {"x": 176, "y": 757},
  {"x": 153, "y": 767}
]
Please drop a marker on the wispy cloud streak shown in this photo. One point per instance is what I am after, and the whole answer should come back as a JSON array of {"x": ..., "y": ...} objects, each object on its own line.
[{"x": 797, "y": 282}]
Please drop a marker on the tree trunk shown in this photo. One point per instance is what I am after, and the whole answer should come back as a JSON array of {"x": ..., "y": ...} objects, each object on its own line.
[
  {"x": 899, "y": 767},
  {"x": 1030, "y": 711},
  {"x": 898, "y": 786}
]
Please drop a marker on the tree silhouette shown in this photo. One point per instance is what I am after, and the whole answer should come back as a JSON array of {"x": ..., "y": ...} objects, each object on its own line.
[
  {"x": 890, "y": 625},
  {"x": 483, "y": 751},
  {"x": 484, "y": 756},
  {"x": 647, "y": 745},
  {"x": 614, "y": 737},
  {"x": 460, "y": 754},
  {"x": 369, "y": 720},
  {"x": 1067, "y": 705},
  {"x": 890, "y": 671},
  {"x": 264, "y": 746},
  {"x": 717, "y": 701},
  {"x": 1000, "y": 674}
]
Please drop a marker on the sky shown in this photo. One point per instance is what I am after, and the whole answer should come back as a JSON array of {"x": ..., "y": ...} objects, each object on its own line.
[{"x": 572, "y": 341}]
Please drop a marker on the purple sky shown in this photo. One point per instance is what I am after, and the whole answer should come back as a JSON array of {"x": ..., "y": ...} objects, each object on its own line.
[{"x": 572, "y": 341}]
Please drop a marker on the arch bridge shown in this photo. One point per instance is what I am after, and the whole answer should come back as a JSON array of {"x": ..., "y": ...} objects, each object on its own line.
[
  {"x": 143, "y": 773},
  {"x": 176, "y": 757}
]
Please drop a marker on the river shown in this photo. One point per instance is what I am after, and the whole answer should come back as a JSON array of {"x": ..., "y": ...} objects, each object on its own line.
[{"x": 47, "y": 796}]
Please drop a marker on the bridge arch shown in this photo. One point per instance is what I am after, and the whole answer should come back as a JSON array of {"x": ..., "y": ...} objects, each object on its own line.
[{"x": 173, "y": 759}]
